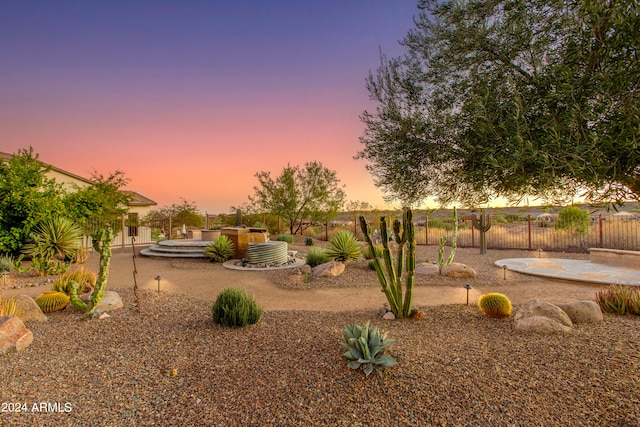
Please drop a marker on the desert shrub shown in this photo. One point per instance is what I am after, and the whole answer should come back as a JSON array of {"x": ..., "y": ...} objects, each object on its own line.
[
  {"x": 574, "y": 219},
  {"x": 52, "y": 301},
  {"x": 439, "y": 223},
  {"x": 317, "y": 256},
  {"x": 377, "y": 251},
  {"x": 308, "y": 241},
  {"x": 495, "y": 305},
  {"x": 619, "y": 299},
  {"x": 344, "y": 246},
  {"x": 285, "y": 238},
  {"x": 236, "y": 307},
  {"x": 8, "y": 306},
  {"x": 6, "y": 263},
  {"x": 371, "y": 264},
  {"x": 220, "y": 250},
  {"x": 365, "y": 346},
  {"x": 86, "y": 280}
]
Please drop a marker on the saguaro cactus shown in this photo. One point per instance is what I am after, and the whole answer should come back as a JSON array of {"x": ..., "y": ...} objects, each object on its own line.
[
  {"x": 102, "y": 240},
  {"x": 391, "y": 276},
  {"x": 482, "y": 223}
]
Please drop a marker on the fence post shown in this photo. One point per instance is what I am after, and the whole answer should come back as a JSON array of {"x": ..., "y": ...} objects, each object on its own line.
[
  {"x": 170, "y": 225},
  {"x": 326, "y": 231},
  {"x": 426, "y": 231},
  {"x": 600, "y": 239},
  {"x": 123, "y": 235},
  {"x": 529, "y": 228}
]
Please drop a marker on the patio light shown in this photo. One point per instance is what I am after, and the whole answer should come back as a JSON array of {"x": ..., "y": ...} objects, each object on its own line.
[
  {"x": 158, "y": 278},
  {"x": 468, "y": 287}
]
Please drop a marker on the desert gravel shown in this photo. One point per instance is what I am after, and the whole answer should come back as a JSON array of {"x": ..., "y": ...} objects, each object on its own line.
[{"x": 455, "y": 368}]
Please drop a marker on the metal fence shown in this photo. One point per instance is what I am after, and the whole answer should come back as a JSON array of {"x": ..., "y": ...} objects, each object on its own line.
[{"x": 529, "y": 234}]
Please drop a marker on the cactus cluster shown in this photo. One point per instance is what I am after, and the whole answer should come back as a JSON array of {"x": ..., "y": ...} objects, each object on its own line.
[
  {"x": 391, "y": 276},
  {"x": 495, "y": 305},
  {"x": 52, "y": 301},
  {"x": 365, "y": 346}
]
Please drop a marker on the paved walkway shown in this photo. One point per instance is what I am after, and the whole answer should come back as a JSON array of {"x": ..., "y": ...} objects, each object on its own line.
[{"x": 568, "y": 269}]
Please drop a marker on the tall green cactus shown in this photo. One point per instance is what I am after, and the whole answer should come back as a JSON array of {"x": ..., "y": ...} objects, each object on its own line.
[
  {"x": 102, "y": 240},
  {"x": 483, "y": 224},
  {"x": 391, "y": 276},
  {"x": 454, "y": 244}
]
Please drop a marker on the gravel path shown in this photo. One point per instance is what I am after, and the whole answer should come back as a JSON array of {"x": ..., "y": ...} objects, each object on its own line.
[{"x": 455, "y": 368}]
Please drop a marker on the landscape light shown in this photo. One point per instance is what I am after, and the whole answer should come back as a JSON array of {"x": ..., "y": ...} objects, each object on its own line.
[
  {"x": 4, "y": 277},
  {"x": 468, "y": 287},
  {"x": 158, "y": 278}
]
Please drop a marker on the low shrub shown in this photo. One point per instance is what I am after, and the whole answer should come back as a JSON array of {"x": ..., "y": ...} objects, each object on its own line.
[
  {"x": 6, "y": 263},
  {"x": 317, "y": 256},
  {"x": 220, "y": 250},
  {"x": 377, "y": 251},
  {"x": 236, "y": 307},
  {"x": 619, "y": 299},
  {"x": 495, "y": 305},
  {"x": 285, "y": 238},
  {"x": 365, "y": 346},
  {"x": 344, "y": 247},
  {"x": 308, "y": 241}
]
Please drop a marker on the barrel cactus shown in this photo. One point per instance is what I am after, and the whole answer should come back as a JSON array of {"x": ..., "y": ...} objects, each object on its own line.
[
  {"x": 495, "y": 305},
  {"x": 52, "y": 301}
]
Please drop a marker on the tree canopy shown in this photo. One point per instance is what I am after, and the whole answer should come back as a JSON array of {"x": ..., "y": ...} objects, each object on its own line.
[
  {"x": 509, "y": 98},
  {"x": 302, "y": 196}
]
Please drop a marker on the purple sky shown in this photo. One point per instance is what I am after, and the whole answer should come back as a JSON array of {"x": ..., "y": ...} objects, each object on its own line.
[{"x": 191, "y": 99}]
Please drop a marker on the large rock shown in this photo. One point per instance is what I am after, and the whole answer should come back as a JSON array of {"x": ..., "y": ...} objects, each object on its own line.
[
  {"x": 455, "y": 269},
  {"x": 28, "y": 310},
  {"x": 14, "y": 336},
  {"x": 329, "y": 269},
  {"x": 109, "y": 302},
  {"x": 541, "y": 316},
  {"x": 582, "y": 311},
  {"x": 427, "y": 268}
]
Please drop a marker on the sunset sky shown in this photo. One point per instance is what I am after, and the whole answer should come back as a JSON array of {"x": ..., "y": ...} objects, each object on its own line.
[{"x": 191, "y": 98}]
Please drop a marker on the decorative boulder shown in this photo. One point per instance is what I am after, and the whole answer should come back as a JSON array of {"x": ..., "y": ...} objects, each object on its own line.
[
  {"x": 456, "y": 269},
  {"x": 541, "y": 316},
  {"x": 109, "y": 302},
  {"x": 28, "y": 310},
  {"x": 389, "y": 316},
  {"x": 582, "y": 311},
  {"x": 14, "y": 336},
  {"x": 329, "y": 269},
  {"x": 427, "y": 268}
]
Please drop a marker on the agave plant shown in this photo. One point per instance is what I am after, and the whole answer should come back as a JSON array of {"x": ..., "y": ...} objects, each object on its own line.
[
  {"x": 344, "y": 246},
  {"x": 364, "y": 348},
  {"x": 220, "y": 250}
]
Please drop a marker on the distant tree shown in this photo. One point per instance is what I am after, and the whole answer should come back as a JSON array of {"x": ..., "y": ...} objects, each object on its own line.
[
  {"x": 27, "y": 197},
  {"x": 302, "y": 196},
  {"x": 574, "y": 219},
  {"x": 510, "y": 98},
  {"x": 183, "y": 213},
  {"x": 100, "y": 204},
  {"x": 357, "y": 206}
]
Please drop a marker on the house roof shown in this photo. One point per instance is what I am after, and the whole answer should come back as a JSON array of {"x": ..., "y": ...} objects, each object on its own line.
[{"x": 136, "y": 198}]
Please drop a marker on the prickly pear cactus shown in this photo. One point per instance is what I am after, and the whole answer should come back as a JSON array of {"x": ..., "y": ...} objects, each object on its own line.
[{"x": 102, "y": 240}]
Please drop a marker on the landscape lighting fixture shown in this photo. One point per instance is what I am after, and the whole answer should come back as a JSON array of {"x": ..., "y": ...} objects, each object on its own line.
[
  {"x": 468, "y": 287},
  {"x": 4, "y": 277},
  {"x": 158, "y": 278}
]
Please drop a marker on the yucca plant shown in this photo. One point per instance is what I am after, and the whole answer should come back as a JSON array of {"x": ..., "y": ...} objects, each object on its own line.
[
  {"x": 365, "y": 346},
  {"x": 220, "y": 250},
  {"x": 8, "y": 306},
  {"x": 235, "y": 307},
  {"x": 619, "y": 299},
  {"x": 344, "y": 246},
  {"x": 53, "y": 242},
  {"x": 317, "y": 256}
]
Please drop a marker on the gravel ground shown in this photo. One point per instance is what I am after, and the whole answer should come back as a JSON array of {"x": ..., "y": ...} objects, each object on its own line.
[{"x": 455, "y": 368}]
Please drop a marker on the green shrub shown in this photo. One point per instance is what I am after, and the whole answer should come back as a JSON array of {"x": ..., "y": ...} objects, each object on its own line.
[
  {"x": 317, "y": 256},
  {"x": 285, "y": 238},
  {"x": 574, "y": 219},
  {"x": 308, "y": 241},
  {"x": 619, "y": 299},
  {"x": 220, "y": 250},
  {"x": 236, "y": 307},
  {"x": 6, "y": 263},
  {"x": 495, "y": 305},
  {"x": 365, "y": 346},
  {"x": 344, "y": 246}
]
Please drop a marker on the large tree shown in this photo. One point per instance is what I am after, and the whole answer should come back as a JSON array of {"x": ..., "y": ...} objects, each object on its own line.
[
  {"x": 27, "y": 197},
  {"x": 302, "y": 196},
  {"x": 510, "y": 98}
]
